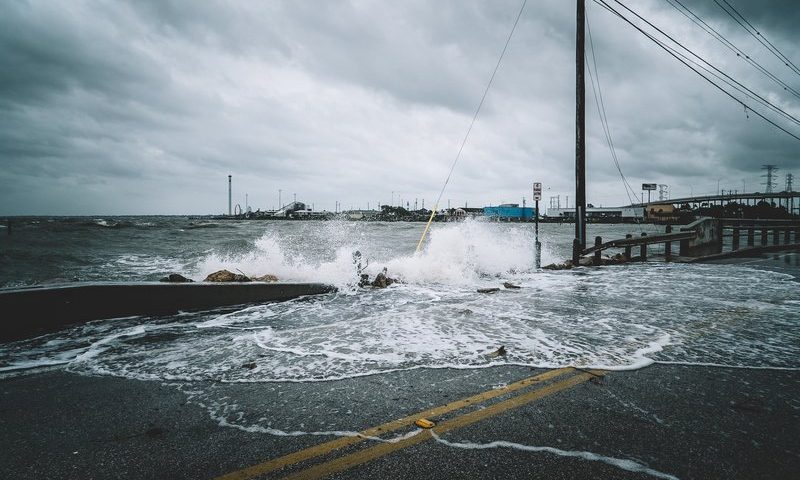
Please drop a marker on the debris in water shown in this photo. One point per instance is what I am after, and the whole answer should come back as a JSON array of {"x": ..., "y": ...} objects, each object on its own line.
[
  {"x": 511, "y": 285},
  {"x": 500, "y": 352},
  {"x": 488, "y": 290}
]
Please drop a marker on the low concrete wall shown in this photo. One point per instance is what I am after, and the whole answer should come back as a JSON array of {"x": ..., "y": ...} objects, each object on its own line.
[
  {"x": 35, "y": 310},
  {"x": 708, "y": 240}
]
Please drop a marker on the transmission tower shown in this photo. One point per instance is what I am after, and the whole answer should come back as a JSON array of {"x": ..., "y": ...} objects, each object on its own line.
[
  {"x": 789, "y": 178},
  {"x": 663, "y": 192},
  {"x": 769, "y": 183}
]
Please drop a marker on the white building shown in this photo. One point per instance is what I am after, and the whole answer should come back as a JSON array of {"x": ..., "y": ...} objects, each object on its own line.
[{"x": 605, "y": 213}]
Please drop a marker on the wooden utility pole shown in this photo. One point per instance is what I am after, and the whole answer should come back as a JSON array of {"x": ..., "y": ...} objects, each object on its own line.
[{"x": 580, "y": 130}]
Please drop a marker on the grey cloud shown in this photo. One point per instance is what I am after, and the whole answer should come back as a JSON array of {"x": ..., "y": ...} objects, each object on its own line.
[{"x": 146, "y": 106}]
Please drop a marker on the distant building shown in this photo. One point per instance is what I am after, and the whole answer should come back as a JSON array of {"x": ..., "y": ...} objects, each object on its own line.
[
  {"x": 509, "y": 211},
  {"x": 293, "y": 209},
  {"x": 635, "y": 214},
  {"x": 665, "y": 212}
]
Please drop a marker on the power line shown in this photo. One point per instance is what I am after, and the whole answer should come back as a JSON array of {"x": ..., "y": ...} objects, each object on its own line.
[
  {"x": 724, "y": 77},
  {"x": 471, "y": 124},
  {"x": 757, "y": 35},
  {"x": 601, "y": 111},
  {"x": 480, "y": 104},
  {"x": 688, "y": 13},
  {"x": 686, "y": 63}
]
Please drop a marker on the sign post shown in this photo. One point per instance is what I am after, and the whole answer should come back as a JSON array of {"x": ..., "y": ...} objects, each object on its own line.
[
  {"x": 537, "y": 195},
  {"x": 648, "y": 187}
]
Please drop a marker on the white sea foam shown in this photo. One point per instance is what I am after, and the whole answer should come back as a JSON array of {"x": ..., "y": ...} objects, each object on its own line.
[
  {"x": 622, "y": 463},
  {"x": 612, "y": 318},
  {"x": 455, "y": 254}
]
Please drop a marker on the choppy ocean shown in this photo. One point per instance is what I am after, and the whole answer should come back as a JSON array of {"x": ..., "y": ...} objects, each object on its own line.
[
  {"x": 615, "y": 317},
  {"x": 743, "y": 315}
]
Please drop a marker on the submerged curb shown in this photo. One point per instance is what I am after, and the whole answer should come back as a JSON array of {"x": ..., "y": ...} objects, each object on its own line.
[{"x": 35, "y": 310}]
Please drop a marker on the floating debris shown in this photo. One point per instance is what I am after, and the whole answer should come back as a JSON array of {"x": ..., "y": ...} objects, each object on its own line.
[
  {"x": 500, "y": 352},
  {"x": 488, "y": 290}
]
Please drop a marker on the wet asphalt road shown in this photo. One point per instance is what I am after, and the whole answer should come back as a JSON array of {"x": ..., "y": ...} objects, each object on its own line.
[{"x": 683, "y": 421}]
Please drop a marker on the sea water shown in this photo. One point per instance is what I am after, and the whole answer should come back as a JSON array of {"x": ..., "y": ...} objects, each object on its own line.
[
  {"x": 621, "y": 317},
  {"x": 742, "y": 315}
]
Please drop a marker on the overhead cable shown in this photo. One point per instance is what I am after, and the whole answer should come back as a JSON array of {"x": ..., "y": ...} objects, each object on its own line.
[
  {"x": 601, "y": 111},
  {"x": 661, "y": 44},
  {"x": 739, "y": 18},
  {"x": 724, "y": 77},
  {"x": 472, "y": 123},
  {"x": 688, "y": 13}
]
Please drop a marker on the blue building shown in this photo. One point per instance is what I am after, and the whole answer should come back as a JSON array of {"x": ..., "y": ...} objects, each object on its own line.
[{"x": 509, "y": 211}]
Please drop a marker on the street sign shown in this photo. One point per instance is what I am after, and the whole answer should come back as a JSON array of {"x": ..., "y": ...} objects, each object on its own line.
[
  {"x": 648, "y": 186},
  {"x": 537, "y": 191}
]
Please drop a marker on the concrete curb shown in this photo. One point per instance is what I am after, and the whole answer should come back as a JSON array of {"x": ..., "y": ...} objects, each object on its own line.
[{"x": 35, "y": 310}]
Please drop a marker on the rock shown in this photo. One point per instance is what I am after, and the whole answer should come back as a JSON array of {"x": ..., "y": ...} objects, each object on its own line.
[
  {"x": 176, "y": 278},
  {"x": 586, "y": 261},
  {"x": 364, "y": 280},
  {"x": 511, "y": 286},
  {"x": 488, "y": 290},
  {"x": 265, "y": 278},
  {"x": 558, "y": 266},
  {"x": 249, "y": 365},
  {"x": 617, "y": 259},
  {"x": 382, "y": 281},
  {"x": 500, "y": 352},
  {"x": 226, "y": 276}
]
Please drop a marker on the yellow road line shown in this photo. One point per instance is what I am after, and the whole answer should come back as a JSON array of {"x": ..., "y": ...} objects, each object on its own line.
[
  {"x": 348, "y": 461},
  {"x": 327, "y": 447}
]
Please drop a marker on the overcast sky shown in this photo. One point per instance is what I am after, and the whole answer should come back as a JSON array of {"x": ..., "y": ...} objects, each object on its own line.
[{"x": 145, "y": 107}]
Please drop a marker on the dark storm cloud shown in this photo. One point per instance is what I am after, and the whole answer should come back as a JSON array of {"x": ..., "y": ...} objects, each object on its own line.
[{"x": 147, "y": 106}]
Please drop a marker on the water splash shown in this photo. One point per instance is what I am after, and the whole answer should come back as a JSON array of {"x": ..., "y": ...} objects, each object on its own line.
[{"x": 456, "y": 254}]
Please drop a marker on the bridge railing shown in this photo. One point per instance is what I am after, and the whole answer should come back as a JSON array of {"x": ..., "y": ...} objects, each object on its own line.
[
  {"x": 702, "y": 238},
  {"x": 760, "y": 233}
]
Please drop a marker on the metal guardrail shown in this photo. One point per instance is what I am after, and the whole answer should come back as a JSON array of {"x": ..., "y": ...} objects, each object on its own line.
[{"x": 631, "y": 241}]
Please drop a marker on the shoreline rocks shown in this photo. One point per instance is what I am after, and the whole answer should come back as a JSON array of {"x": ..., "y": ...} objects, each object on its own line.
[
  {"x": 226, "y": 276},
  {"x": 176, "y": 278},
  {"x": 265, "y": 278}
]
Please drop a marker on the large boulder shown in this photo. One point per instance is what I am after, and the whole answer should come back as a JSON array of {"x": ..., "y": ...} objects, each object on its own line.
[{"x": 226, "y": 276}]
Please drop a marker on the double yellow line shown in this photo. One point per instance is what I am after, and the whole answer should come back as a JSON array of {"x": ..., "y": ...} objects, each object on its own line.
[{"x": 371, "y": 453}]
